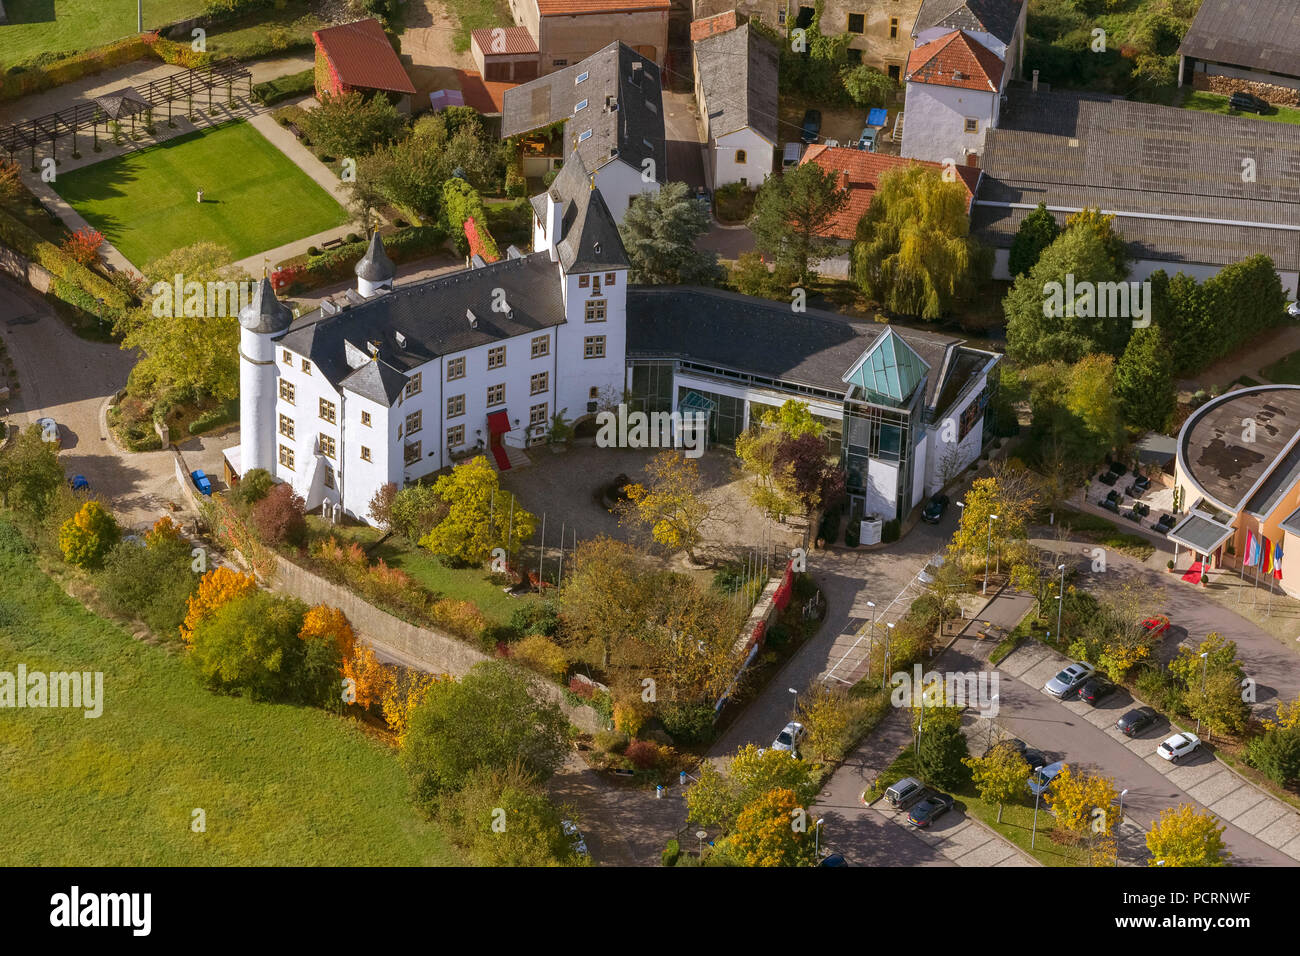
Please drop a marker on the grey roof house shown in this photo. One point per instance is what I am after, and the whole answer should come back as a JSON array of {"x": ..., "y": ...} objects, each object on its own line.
[
  {"x": 1255, "y": 40},
  {"x": 736, "y": 88}
]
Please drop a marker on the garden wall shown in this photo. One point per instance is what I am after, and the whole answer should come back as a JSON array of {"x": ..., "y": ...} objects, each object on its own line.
[{"x": 437, "y": 651}]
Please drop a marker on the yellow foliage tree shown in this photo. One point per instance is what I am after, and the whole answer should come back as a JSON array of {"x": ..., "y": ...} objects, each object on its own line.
[
  {"x": 325, "y": 621},
  {"x": 1082, "y": 802},
  {"x": 1288, "y": 716},
  {"x": 769, "y": 831},
  {"x": 1183, "y": 837},
  {"x": 671, "y": 503},
  {"x": 216, "y": 588},
  {"x": 999, "y": 775},
  {"x": 404, "y": 692}
]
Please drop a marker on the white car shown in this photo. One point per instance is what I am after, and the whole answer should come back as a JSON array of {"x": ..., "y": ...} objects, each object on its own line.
[
  {"x": 1178, "y": 746},
  {"x": 789, "y": 737},
  {"x": 1293, "y": 310},
  {"x": 575, "y": 837},
  {"x": 1069, "y": 679}
]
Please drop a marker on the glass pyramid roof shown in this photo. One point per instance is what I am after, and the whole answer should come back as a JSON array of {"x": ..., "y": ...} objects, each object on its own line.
[{"x": 889, "y": 371}]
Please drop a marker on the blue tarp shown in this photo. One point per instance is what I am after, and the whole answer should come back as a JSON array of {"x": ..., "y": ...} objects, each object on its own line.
[{"x": 878, "y": 117}]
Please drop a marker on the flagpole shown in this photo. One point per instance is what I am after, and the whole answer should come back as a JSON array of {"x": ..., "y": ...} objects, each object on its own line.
[
  {"x": 1255, "y": 604},
  {"x": 1244, "y": 558}
]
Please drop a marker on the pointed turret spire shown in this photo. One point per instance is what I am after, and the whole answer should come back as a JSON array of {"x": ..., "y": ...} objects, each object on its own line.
[
  {"x": 265, "y": 313},
  {"x": 375, "y": 266}
]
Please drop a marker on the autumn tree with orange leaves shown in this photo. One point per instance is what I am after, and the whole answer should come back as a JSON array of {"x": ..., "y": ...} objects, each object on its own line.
[
  {"x": 217, "y": 588},
  {"x": 772, "y": 831}
]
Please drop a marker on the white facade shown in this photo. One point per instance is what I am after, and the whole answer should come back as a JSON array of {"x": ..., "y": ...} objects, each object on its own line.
[
  {"x": 943, "y": 123},
  {"x": 743, "y": 156},
  {"x": 620, "y": 183}
]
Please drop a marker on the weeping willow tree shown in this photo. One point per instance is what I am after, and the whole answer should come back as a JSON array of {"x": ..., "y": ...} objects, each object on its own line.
[{"x": 914, "y": 254}]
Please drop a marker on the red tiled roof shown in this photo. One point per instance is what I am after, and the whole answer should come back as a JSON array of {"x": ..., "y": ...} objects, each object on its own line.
[
  {"x": 483, "y": 95},
  {"x": 568, "y": 8},
  {"x": 864, "y": 171},
  {"x": 955, "y": 59},
  {"x": 517, "y": 40},
  {"x": 363, "y": 58},
  {"x": 712, "y": 26}
]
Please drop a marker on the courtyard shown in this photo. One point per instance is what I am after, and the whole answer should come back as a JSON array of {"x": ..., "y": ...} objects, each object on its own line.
[{"x": 255, "y": 198}]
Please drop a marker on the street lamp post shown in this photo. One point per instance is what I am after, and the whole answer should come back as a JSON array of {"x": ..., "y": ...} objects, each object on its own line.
[
  {"x": 993, "y": 700},
  {"x": 794, "y": 702},
  {"x": 1121, "y": 805},
  {"x": 1038, "y": 792},
  {"x": 1060, "y": 601},
  {"x": 871, "y": 641},
  {"x": 884, "y": 672},
  {"x": 817, "y": 838},
  {"x": 1205, "y": 662},
  {"x": 988, "y": 551}
]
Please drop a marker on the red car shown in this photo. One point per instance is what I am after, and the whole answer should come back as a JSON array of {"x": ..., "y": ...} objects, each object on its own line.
[{"x": 1155, "y": 625}]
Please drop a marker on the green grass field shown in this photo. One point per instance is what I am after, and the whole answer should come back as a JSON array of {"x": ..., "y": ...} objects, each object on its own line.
[
  {"x": 254, "y": 198},
  {"x": 280, "y": 785},
  {"x": 1216, "y": 103},
  {"x": 1285, "y": 371},
  {"x": 64, "y": 26}
]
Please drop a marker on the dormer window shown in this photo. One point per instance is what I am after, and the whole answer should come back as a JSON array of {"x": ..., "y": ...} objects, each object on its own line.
[
  {"x": 581, "y": 79},
  {"x": 582, "y": 105},
  {"x": 584, "y": 136}
]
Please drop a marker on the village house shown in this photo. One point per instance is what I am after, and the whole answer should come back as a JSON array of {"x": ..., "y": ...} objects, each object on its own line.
[{"x": 562, "y": 32}]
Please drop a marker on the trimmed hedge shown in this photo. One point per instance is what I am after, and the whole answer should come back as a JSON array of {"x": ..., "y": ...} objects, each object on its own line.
[
  {"x": 338, "y": 263},
  {"x": 285, "y": 87},
  {"x": 73, "y": 282},
  {"x": 215, "y": 417}
]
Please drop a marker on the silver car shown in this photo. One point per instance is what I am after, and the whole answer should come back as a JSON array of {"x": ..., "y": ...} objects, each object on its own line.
[
  {"x": 789, "y": 737},
  {"x": 1069, "y": 679}
]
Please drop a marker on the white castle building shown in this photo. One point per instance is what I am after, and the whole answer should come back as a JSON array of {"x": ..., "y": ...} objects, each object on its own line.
[{"x": 396, "y": 383}]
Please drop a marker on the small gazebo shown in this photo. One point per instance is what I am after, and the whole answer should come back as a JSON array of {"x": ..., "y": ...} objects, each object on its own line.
[{"x": 125, "y": 102}]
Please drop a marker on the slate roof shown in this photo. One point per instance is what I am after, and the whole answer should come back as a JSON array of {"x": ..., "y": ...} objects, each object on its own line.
[
  {"x": 738, "y": 78},
  {"x": 363, "y": 57},
  {"x": 812, "y": 349},
  {"x": 864, "y": 171},
  {"x": 265, "y": 313},
  {"x": 955, "y": 60},
  {"x": 1160, "y": 168},
  {"x": 375, "y": 266},
  {"x": 377, "y": 381},
  {"x": 995, "y": 17},
  {"x": 1256, "y": 34},
  {"x": 624, "y": 110},
  {"x": 1213, "y": 452},
  {"x": 589, "y": 238},
  {"x": 430, "y": 315}
]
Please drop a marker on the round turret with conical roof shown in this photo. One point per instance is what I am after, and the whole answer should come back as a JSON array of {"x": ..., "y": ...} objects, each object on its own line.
[
  {"x": 375, "y": 270},
  {"x": 265, "y": 313},
  {"x": 264, "y": 318}
]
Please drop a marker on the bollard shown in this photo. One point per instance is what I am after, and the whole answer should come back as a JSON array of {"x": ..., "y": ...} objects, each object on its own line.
[
  {"x": 682, "y": 778},
  {"x": 659, "y": 791}
]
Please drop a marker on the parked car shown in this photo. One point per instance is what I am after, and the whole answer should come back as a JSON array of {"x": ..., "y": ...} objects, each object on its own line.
[
  {"x": 934, "y": 509},
  {"x": 812, "y": 126},
  {"x": 1178, "y": 746},
  {"x": 1293, "y": 310},
  {"x": 1035, "y": 758},
  {"x": 1156, "y": 624},
  {"x": 1032, "y": 757},
  {"x": 576, "y": 839},
  {"x": 930, "y": 809},
  {"x": 867, "y": 139},
  {"x": 50, "y": 431},
  {"x": 1136, "y": 721},
  {"x": 201, "y": 482},
  {"x": 1069, "y": 679},
  {"x": 1039, "y": 782},
  {"x": 835, "y": 859},
  {"x": 1095, "y": 689},
  {"x": 789, "y": 737},
  {"x": 904, "y": 793},
  {"x": 1244, "y": 102},
  {"x": 791, "y": 155}
]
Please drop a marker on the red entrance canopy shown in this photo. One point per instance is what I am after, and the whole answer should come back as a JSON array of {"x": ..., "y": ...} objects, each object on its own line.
[{"x": 498, "y": 423}]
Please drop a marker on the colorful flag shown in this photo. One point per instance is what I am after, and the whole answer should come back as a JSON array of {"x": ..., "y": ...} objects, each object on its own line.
[
  {"x": 1251, "y": 556},
  {"x": 1277, "y": 561},
  {"x": 1267, "y": 566}
]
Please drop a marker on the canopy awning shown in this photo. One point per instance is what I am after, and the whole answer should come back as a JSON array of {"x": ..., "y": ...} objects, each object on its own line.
[
  {"x": 1201, "y": 533},
  {"x": 498, "y": 423}
]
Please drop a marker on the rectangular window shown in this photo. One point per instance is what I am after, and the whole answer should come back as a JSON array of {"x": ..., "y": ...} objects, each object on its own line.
[
  {"x": 455, "y": 368},
  {"x": 455, "y": 436},
  {"x": 496, "y": 394},
  {"x": 538, "y": 383},
  {"x": 537, "y": 414},
  {"x": 327, "y": 411},
  {"x": 895, "y": 72},
  {"x": 595, "y": 310},
  {"x": 581, "y": 105},
  {"x": 414, "y": 422},
  {"x": 286, "y": 457},
  {"x": 582, "y": 78},
  {"x": 365, "y": 453},
  {"x": 586, "y": 134},
  {"x": 365, "y": 419},
  {"x": 412, "y": 452},
  {"x": 455, "y": 406},
  {"x": 541, "y": 346},
  {"x": 286, "y": 391},
  {"x": 306, "y": 367},
  {"x": 497, "y": 357},
  {"x": 326, "y": 445},
  {"x": 593, "y": 346},
  {"x": 287, "y": 357},
  {"x": 609, "y": 277},
  {"x": 559, "y": 63},
  {"x": 972, "y": 125},
  {"x": 286, "y": 427},
  {"x": 329, "y": 477},
  {"x": 856, "y": 22},
  {"x": 413, "y": 385},
  {"x": 584, "y": 282},
  {"x": 893, "y": 28}
]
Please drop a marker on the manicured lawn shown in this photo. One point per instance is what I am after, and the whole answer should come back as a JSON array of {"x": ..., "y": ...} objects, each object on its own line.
[
  {"x": 1217, "y": 103},
  {"x": 280, "y": 785},
  {"x": 63, "y": 26},
  {"x": 473, "y": 15},
  {"x": 1106, "y": 533},
  {"x": 461, "y": 584},
  {"x": 254, "y": 198},
  {"x": 1285, "y": 371}
]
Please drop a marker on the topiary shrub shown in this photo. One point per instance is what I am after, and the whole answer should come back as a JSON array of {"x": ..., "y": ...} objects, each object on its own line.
[
  {"x": 542, "y": 655},
  {"x": 672, "y": 850}
]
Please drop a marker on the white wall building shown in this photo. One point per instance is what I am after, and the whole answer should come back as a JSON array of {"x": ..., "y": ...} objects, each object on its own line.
[{"x": 736, "y": 89}]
